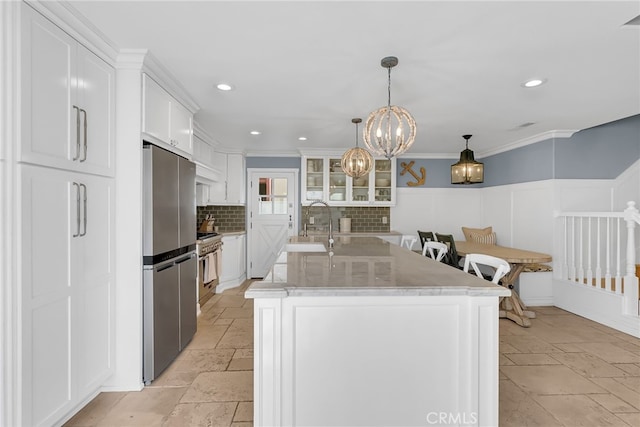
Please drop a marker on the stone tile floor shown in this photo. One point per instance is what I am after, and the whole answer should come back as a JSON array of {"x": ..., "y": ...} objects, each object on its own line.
[{"x": 563, "y": 371}]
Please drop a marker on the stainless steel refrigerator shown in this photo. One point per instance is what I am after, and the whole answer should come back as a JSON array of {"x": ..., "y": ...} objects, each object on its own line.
[{"x": 170, "y": 260}]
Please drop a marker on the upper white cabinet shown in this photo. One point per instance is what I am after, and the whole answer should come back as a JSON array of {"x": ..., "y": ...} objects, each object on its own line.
[
  {"x": 230, "y": 189},
  {"x": 324, "y": 179},
  {"x": 68, "y": 107},
  {"x": 203, "y": 153},
  {"x": 166, "y": 119}
]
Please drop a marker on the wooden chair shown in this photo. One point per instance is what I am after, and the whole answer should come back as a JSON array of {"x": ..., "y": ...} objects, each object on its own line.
[
  {"x": 426, "y": 236},
  {"x": 451, "y": 258},
  {"x": 429, "y": 247},
  {"x": 501, "y": 266}
]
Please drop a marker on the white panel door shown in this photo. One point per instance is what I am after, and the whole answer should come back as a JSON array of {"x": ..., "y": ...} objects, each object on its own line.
[
  {"x": 49, "y": 222},
  {"x": 49, "y": 120},
  {"x": 96, "y": 98},
  {"x": 181, "y": 127},
  {"x": 156, "y": 110},
  {"x": 94, "y": 253},
  {"x": 273, "y": 212},
  {"x": 235, "y": 179}
]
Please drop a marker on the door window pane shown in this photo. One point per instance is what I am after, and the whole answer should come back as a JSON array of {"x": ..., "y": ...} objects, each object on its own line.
[{"x": 272, "y": 196}]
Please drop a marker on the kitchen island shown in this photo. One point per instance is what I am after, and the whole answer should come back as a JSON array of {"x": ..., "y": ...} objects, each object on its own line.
[{"x": 371, "y": 334}]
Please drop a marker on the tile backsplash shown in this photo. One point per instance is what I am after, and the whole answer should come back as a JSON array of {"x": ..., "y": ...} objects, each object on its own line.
[
  {"x": 228, "y": 218},
  {"x": 363, "y": 218}
]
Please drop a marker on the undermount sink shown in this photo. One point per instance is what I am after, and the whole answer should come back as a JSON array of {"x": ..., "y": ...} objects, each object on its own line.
[{"x": 305, "y": 247}]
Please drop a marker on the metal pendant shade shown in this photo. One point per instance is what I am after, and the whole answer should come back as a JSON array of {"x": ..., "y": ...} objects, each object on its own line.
[
  {"x": 467, "y": 170},
  {"x": 389, "y": 131},
  {"x": 356, "y": 162}
]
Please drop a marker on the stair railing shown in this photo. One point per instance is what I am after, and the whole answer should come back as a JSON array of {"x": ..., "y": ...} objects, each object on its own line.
[{"x": 593, "y": 255}]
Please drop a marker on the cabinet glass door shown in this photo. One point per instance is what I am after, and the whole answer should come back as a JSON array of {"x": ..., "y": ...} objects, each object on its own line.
[
  {"x": 315, "y": 179},
  {"x": 360, "y": 189},
  {"x": 382, "y": 189},
  {"x": 337, "y": 181}
]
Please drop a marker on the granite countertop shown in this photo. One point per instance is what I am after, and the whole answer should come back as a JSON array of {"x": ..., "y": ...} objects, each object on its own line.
[
  {"x": 363, "y": 266},
  {"x": 233, "y": 233},
  {"x": 355, "y": 233}
]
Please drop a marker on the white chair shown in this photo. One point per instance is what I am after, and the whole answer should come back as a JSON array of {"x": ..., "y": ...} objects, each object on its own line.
[
  {"x": 429, "y": 247},
  {"x": 501, "y": 266},
  {"x": 408, "y": 241}
]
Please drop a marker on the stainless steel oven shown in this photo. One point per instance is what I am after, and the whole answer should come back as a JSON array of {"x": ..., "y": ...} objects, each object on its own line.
[{"x": 209, "y": 250}]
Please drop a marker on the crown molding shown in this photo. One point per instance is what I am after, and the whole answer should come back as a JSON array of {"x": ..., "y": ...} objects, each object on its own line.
[
  {"x": 552, "y": 134},
  {"x": 67, "y": 17},
  {"x": 204, "y": 135},
  {"x": 131, "y": 59},
  {"x": 272, "y": 154},
  {"x": 164, "y": 78}
]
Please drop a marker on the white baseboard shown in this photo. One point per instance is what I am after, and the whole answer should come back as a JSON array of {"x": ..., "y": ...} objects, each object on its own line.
[
  {"x": 539, "y": 302},
  {"x": 600, "y": 306},
  {"x": 230, "y": 284}
]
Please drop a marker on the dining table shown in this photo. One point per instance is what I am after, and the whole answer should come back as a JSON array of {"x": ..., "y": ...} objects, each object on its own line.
[{"x": 512, "y": 307}]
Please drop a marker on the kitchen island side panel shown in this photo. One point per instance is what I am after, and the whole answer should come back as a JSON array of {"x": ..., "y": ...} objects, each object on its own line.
[{"x": 376, "y": 360}]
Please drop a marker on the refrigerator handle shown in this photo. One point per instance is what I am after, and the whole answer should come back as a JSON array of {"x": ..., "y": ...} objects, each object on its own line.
[
  {"x": 187, "y": 258},
  {"x": 165, "y": 267}
]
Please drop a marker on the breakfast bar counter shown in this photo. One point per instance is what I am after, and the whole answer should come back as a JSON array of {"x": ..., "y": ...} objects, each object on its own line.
[{"x": 369, "y": 333}]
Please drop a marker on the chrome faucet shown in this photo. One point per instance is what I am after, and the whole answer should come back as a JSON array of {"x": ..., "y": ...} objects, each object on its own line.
[{"x": 326, "y": 205}]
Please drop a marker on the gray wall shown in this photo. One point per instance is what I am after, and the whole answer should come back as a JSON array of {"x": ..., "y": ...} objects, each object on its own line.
[{"x": 601, "y": 152}]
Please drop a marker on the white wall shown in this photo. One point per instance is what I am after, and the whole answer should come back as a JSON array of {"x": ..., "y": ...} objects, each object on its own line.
[{"x": 522, "y": 215}]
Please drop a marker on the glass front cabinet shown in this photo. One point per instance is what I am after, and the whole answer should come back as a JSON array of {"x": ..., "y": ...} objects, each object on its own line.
[{"x": 324, "y": 179}]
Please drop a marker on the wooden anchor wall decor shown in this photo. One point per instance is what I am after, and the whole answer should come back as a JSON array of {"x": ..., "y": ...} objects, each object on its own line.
[{"x": 406, "y": 167}]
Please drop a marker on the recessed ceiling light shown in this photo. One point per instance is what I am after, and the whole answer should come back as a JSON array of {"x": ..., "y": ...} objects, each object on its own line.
[
  {"x": 302, "y": 138},
  {"x": 534, "y": 82},
  {"x": 224, "y": 86},
  {"x": 255, "y": 132}
]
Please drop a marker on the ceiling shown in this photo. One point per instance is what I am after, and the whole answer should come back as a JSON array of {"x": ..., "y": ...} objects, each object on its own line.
[{"x": 306, "y": 68}]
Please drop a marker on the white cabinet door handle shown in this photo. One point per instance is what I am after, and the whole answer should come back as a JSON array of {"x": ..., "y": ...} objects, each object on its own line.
[
  {"x": 85, "y": 135},
  {"x": 84, "y": 188},
  {"x": 77, "y": 156},
  {"x": 75, "y": 184}
]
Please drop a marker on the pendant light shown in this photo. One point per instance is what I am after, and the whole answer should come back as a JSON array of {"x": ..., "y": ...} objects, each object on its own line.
[
  {"x": 467, "y": 170},
  {"x": 356, "y": 161},
  {"x": 389, "y": 131}
]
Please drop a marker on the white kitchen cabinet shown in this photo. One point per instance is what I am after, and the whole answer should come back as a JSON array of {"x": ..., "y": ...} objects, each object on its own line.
[
  {"x": 235, "y": 179},
  {"x": 230, "y": 188},
  {"x": 66, "y": 262},
  {"x": 65, "y": 205},
  {"x": 202, "y": 194},
  {"x": 324, "y": 179},
  {"x": 181, "y": 131},
  {"x": 203, "y": 153},
  {"x": 165, "y": 119},
  {"x": 233, "y": 268},
  {"x": 68, "y": 95}
]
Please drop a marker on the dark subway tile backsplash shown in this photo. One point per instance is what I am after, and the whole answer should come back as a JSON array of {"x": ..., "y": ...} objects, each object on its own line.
[
  {"x": 228, "y": 218},
  {"x": 364, "y": 219}
]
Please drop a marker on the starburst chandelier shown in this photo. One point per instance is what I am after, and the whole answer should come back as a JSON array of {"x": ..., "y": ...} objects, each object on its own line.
[
  {"x": 356, "y": 162},
  {"x": 389, "y": 131}
]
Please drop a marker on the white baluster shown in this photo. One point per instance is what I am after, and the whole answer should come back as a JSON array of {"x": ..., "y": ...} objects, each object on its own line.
[{"x": 631, "y": 280}]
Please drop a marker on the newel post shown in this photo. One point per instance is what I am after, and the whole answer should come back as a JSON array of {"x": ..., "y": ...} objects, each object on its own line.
[{"x": 631, "y": 216}]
